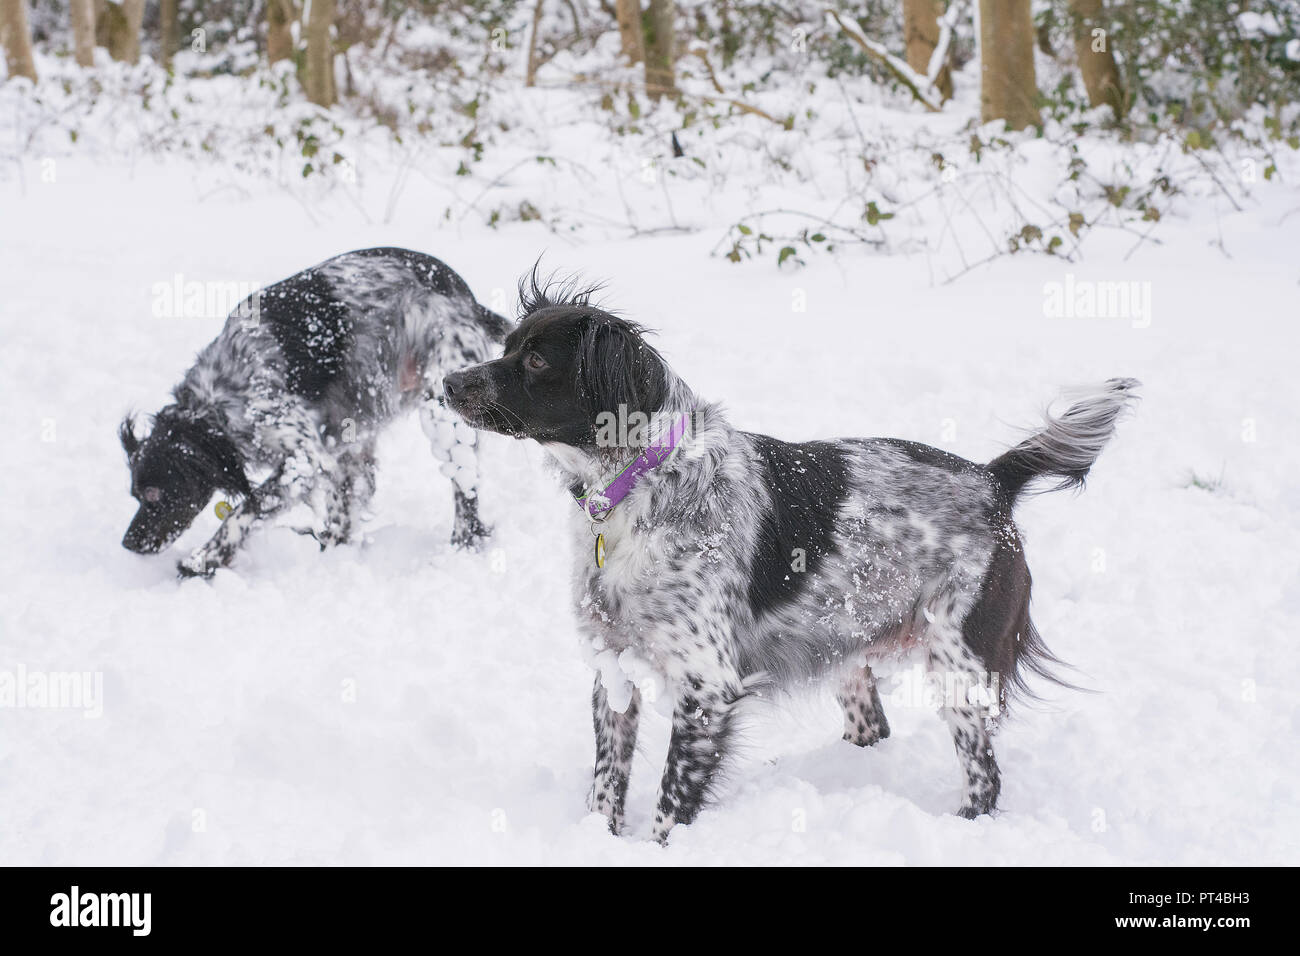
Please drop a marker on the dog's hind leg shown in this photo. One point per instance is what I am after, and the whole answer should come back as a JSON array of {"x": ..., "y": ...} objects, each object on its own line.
[
  {"x": 454, "y": 443},
  {"x": 864, "y": 717},
  {"x": 360, "y": 460},
  {"x": 355, "y": 488},
  {"x": 971, "y": 737},
  {"x": 470, "y": 531},
  {"x": 615, "y": 743},
  {"x": 326, "y": 484},
  {"x": 967, "y": 707}
]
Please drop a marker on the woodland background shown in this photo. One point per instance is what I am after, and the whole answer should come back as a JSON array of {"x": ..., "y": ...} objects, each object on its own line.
[{"x": 1173, "y": 96}]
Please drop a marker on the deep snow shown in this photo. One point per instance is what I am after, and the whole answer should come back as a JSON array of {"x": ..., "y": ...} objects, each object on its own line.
[{"x": 399, "y": 702}]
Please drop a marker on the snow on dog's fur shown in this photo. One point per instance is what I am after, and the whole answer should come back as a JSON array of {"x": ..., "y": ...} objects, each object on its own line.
[
  {"x": 296, "y": 388},
  {"x": 745, "y": 563}
]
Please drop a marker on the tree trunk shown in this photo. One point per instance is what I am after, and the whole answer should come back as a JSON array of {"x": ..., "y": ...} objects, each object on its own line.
[
  {"x": 921, "y": 31},
  {"x": 318, "y": 76},
  {"x": 660, "y": 22},
  {"x": 280, "y": 17},
  {"x": 119, "y": 26},
  {"x": 1008, "y": 90},
  {"x": 530, "y": 77},
  {"x": 1096, "y": 62},
  {"x": 17, "y": 38},
  {"x": 169, "y": 32},
  {"x": 629, "y": 29},
  {"x": 83, "y": 31}
]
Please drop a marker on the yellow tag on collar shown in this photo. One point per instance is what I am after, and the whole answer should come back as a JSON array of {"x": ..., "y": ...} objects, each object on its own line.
[
  {"x": 223, "y": 510},
  {"x": 600, "y": 550}
]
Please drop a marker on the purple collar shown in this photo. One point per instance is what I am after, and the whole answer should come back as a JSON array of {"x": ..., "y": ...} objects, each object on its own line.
[{"x": 601, "y": 503}]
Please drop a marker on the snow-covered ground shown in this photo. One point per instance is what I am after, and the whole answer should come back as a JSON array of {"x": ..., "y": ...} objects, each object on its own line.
[{"x": 399, "y": 702}]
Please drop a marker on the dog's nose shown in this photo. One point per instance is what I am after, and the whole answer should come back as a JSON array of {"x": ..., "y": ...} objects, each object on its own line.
[
  {"x": 453, "y": 383},
  {"x": 131, "y": 543},
  {"x": 141, "y": 537}
]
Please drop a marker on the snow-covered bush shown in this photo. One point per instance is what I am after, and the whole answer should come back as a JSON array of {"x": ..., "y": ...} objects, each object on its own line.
[
  {"x": 1194, "y": 65},
  {"x": 780, "y": 126}
]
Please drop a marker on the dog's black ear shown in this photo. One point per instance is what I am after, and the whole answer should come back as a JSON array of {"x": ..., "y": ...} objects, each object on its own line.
[
  {"x": 618, "y": 367},
  {"x": 126, "y": 433},
  {"x": 213, "y": 446}
]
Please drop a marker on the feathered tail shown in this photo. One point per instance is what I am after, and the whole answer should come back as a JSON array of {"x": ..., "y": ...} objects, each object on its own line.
[{"x": 1070, "y": 443}]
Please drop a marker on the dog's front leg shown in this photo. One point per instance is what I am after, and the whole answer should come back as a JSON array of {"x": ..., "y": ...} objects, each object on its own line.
[
  {"x": 267, "y": 499},
  {"x": 469, "y": 531},
  {"x": 454, "y": 443},
  {"x": 703, "y": 724},
  {"x": 615, "y": 744}
]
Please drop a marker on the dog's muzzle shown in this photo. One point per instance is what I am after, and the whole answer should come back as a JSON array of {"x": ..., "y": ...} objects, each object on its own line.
[
  {"x": 143, "y": 538},
  {"x": 467, "y": 391}
]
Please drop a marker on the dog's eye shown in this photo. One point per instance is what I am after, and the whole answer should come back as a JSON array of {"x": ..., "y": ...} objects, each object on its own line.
[
  {"x": 152, "y": 495},
  {"x": 534, "y": 362}
]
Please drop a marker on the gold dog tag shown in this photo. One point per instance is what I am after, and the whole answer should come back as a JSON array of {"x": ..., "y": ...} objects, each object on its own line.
[{"x": 600, "y": 550}]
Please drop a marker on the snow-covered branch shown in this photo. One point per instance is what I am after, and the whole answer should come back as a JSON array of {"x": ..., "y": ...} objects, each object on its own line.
[
  {"x": 921, "y": 88},
  {"x": 947, "y": 27}
]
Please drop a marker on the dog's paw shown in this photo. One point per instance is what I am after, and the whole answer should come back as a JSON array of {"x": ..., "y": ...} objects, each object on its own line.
[
  {"x": 471, "y": 539},
  {"x": 195, "y": 566},
  {"x": 970, "y": 810},
  {"x": 662, "y": 827},
  {"x": 613, "y": 818},
  {"x": 867, "y": 733},
  {"x": 604, "y": 803},
  {"x": 325, "y": 537}
]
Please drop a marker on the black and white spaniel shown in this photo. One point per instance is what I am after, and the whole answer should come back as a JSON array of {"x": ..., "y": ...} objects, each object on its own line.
[
  {"x": 731, "y": 564},
  {"x": 286, "y": 404}
]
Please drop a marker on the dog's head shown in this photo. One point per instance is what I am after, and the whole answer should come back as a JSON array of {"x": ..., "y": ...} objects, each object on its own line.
[
  {"x": 566, "y": 365},
  {"x": 175, "y": 470}
]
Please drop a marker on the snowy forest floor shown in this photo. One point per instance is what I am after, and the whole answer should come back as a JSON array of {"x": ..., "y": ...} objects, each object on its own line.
[{"x": 400, "y": 702}]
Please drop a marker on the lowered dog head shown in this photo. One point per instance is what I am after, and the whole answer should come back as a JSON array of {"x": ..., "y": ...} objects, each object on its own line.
[
  {"x": 567, "y": 366},
  {"x": 175, "y": 470}
]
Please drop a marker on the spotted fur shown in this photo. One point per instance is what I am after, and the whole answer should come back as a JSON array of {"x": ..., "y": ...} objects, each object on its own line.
[
  {"x": 745, "y": 564},
  {"x": 864, "y": 716},
  {"x": 295, "y": 391}
]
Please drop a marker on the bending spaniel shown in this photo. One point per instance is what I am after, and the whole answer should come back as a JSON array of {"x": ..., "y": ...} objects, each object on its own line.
[{"x": 286, "y": 404}]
